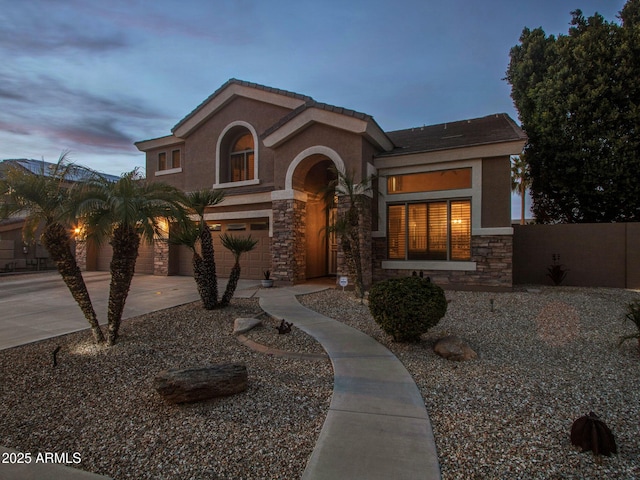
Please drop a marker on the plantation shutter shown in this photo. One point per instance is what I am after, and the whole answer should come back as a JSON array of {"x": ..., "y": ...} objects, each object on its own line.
[
  {"x": 396, "y": 232},
  {"x": 437, "y": 231},
  {"x": 461, "y": 230}
]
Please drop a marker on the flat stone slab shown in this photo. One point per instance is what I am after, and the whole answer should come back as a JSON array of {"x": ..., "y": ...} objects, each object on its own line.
[
  {"x": 201, "y": 383},
  {"x": 243, "y": 325}
]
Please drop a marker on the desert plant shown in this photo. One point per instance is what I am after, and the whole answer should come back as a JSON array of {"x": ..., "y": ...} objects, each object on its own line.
[
  {"x": 267, "y": 274},
  {"x": 407, "y": 307},
  {"x": 591, "y": 433},
  {"x": 556, "y": 271},
  {"x": 633, "y": 315},
  {"x": 237, "y": 246}
]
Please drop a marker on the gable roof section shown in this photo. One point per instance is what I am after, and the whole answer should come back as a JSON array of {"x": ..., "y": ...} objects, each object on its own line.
[
  {"x": 492, "y": 129},
  {"x": 317, "y": 112},
  {"x": 227, "y": 92}
]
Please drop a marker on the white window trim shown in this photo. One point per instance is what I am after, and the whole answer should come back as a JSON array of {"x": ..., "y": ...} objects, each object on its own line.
[
  {"x": 428, "y": 265},
  {"x": 222, "y": 156},
  {"x": 168, "y": 171},
  {"x": 474, "y": 193}
]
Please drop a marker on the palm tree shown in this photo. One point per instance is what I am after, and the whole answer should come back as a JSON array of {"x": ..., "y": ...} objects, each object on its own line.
[
  {"x": 205, "y": 274},
  {"x": 520, "y": 180},
  {"x": 348, "y": 223},
  {"x": 237, "y": 246},
  {"x": 188, "y": 235},
  {"x": 47, "y": 199},
  {"x": 126, "y": 211}
]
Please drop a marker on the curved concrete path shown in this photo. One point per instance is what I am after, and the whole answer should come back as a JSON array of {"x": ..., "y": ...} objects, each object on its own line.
[{"x": 377, "y": 426}]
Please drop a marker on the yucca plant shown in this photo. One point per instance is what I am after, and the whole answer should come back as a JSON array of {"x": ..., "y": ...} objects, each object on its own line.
[
  {"x": 633, "y": 315},
  {"x": 237, "y": 246}
]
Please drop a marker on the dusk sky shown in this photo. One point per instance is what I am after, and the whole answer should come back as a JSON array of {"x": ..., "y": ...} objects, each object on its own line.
[{"x": 92, "y": 77}]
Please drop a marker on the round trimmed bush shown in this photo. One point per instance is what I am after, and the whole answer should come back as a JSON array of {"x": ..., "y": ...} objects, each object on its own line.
[{"x": 407, "y": 307}]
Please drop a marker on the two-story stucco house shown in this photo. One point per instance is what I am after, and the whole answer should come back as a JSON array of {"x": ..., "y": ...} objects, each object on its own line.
[{"x": 442, "y": 203}]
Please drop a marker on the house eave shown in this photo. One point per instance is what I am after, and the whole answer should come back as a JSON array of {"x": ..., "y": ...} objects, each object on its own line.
[
  {"x": 313, "y": 115},
  {"x": 488, "y": 150},
  {"x": 146, "y": 145}
]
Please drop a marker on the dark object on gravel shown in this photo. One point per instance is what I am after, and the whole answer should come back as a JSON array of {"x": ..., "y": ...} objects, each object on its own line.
[
  {"x": 55, "y": 355},
  {"x": 201, "y": 383},
  {"x": 285, "y": 327},
  {"x": 591, "y": 433}
]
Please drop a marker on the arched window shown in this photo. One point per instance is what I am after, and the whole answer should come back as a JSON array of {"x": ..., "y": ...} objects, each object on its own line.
[{"x": 241, "y": 156}]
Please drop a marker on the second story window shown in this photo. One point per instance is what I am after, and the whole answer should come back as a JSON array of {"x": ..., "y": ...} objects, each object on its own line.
[
  {"x": 175, "y": 159},
  {"x": 241, "y": 159},
  {"x": 162, "y": 161}
]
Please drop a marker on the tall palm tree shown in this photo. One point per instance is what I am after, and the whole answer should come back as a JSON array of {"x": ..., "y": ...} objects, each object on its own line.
[
  {"x": 520, "y": 181},
  {"x": 196, "y": 203},
  {"x": 47, "y": 199},
  {"x": 347, "y": 227},
  {"x": 126, "y": 211},
  {"x": 237, "y": 246}
]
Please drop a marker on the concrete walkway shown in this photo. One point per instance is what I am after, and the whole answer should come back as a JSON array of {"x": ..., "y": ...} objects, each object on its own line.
[{"x": 377, "y": 426}]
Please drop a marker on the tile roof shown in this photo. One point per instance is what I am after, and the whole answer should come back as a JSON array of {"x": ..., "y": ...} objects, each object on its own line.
[{"x": 495, "y": 128}]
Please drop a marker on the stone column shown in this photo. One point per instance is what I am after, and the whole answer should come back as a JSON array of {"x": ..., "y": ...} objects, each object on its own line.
[
  {"x": 288, "y": 255},
  {"x": 365, "y": 245},
  {"x": 161, "y": 256}
]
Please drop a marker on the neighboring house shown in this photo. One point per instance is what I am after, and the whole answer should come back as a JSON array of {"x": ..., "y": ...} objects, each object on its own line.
[
  {"x": 442, "y": 204},
  {"x": 15, "y": 252}
]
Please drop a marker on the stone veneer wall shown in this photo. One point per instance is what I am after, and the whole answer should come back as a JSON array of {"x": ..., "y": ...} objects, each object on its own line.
[
  {"x": 288, "y": 256},
  {"x": 493, "y": 255},
  {"x": 160, "y": 256},
  {"x": 366, "y": 246}
]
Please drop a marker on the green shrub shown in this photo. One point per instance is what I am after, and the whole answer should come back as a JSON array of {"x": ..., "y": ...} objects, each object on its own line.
[{"x": 407, "y": 307}]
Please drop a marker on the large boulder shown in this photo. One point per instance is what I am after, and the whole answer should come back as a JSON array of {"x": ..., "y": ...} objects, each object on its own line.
[
  {"x": 201, "y": 383},
  {"x": 454, "y": 348},
  {"x": 243, "y": 325}
]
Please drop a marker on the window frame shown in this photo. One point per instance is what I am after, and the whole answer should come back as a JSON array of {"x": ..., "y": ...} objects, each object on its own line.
[
  {"x": 168, "y": 162},
  {"x": 227, "y": 138},
  {"x": 406, "y": 239}
]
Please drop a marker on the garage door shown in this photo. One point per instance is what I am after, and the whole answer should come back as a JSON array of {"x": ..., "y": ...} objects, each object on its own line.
[
  {"x": 144, "y": 262},
  {"x": 252, "y": 263}
]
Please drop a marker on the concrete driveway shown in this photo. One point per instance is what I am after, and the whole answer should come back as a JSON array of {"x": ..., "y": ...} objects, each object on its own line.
[{"x": 38, "y": 306}]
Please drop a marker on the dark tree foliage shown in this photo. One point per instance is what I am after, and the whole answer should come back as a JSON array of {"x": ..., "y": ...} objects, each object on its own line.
[{"x": 578, "y": 98}]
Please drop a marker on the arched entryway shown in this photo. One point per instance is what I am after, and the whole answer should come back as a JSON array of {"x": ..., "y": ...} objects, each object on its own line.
[{"x": 312, "y": 175}]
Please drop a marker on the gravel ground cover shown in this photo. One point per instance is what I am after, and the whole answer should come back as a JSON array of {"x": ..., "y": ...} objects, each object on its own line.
[
  {"x": 101, "y": 402},
  {"x": 546, "y": 357}
]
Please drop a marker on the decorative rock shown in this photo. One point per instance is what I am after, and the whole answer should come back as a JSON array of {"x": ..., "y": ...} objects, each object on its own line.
[
  {"x": 243, "y": 325},
  {"x": 454, "y": 348},
  {"x": 201, "y": 383}
]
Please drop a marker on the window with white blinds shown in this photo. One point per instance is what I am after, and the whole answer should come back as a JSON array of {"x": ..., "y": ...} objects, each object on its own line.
[{"x": 439, "y": 230}]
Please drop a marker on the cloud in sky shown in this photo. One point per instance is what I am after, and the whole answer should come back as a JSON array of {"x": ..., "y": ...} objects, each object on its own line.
[{"x": 93, "y": 77}]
